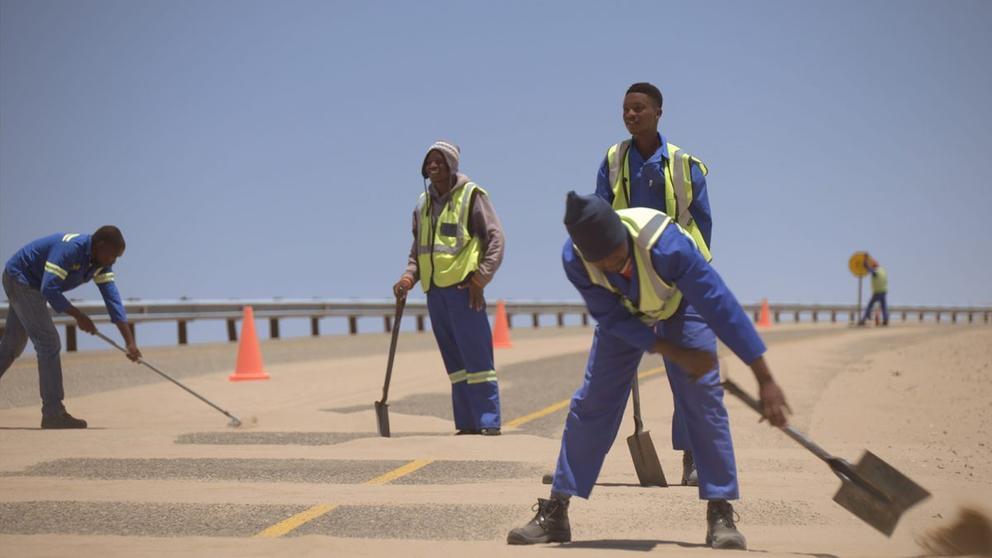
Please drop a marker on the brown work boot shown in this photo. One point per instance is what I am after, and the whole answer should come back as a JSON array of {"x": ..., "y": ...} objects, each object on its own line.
[
  {"x": 64, "y": 420},
  {"x": 721, "y": 531},
  {"x": 549, "y": 525}
]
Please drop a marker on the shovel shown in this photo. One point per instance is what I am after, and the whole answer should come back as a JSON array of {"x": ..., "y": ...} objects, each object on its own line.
[
  {"x": 649, "y": 471},
  {"x": 381, "y": 409},
  {"x": 873, "y": 490}
]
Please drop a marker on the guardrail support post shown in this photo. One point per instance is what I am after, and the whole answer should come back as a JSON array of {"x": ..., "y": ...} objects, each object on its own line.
[
  {"x": 232, "y": 331},
  {"x": 921, "y": 316},
  {"x": 776, "y": 316},
  {"x": 561, "y": 319},
  {"x": 971, "y": 318},
  {"x": 70, "y": 337},
  {"x": 833, "y": 316},
  {"x": 182, "y": 331},
  {"x": 314, "y": 326},
  {"x": 585, "y": 319},
  {"x": 535, "y": 320},
  {"x": 352, "y": 325},
  {"x": 387, "y": 324},
  {"x": 509, "y": 320},
  {"x": 938, "y": 316},
  {"x": 274, "y": 328},
  {"x": 904, "y": 315},
  {"x": 816, "y": 316},
  {"x": 420, "y": 322},
  {"x": 796, "y": 317}
]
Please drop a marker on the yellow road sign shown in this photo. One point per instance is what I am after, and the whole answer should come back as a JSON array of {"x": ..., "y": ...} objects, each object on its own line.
[{"x": 857, "y": 264}]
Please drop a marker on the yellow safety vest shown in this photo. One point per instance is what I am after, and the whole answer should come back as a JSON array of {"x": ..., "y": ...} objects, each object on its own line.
[
  {"x": 879, "y": 281},
  {"x": 658, "y": 300},
  {"x": 447, "y": 253},
  {"x": 678, "y": 186}
]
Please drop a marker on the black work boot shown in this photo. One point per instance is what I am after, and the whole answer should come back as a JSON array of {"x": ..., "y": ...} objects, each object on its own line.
[
  {"x": 721, "y": 531},
  {"x": 549, "y": 525},
  {"x": 65, "y": 420},
  {"x": 689, "y": 476},
  {"x": 494, "y": 431}
]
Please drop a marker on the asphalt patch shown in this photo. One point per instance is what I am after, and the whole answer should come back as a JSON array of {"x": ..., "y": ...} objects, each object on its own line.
[
  {"x": 465, "y": 472},
  {"x": 286, "y": 438},
  {"x": 140, "y": 519},
  {"x": 212, "y": 469},
  {"x": 279, "y": 470},
  {"x": 417, "y": 522}
]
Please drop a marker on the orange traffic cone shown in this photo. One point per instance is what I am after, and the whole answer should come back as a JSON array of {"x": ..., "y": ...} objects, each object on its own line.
[
  {"x": 764, "y": 320},
  {"x": 501, "y": 328},
  {"x": 249, "y": 366}
]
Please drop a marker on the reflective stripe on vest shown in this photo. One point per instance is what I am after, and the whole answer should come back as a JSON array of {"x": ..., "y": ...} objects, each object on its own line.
[
  {"x": 447, "y": 253},
  {"x": 879, "y": 281},
  {"x": 658, "y": 300},
  {"x": 677, "y": 199}
]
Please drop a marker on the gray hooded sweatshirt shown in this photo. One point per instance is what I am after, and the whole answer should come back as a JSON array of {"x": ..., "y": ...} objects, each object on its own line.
[{"x": 482, "y": 222}]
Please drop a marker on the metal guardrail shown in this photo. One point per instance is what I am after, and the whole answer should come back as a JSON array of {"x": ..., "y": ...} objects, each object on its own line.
[{"x": 183, "y": 311}]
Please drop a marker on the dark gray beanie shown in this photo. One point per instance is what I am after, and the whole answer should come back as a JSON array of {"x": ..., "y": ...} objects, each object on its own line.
[{"x": 594, "y": 226}]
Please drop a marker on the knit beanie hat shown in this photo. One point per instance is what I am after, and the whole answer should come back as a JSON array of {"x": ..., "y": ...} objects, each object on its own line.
[{"x": 594, "y": 226}]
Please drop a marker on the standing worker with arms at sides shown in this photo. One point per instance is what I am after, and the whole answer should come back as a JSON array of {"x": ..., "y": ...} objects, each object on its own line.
[
  {"x": 648, "y": 171},
  {"x": 651, "y": 291},
  {"x": 40, "y": 273},
  {"x": 457, "y": 248},
  {"x": 879, "y": 290}
]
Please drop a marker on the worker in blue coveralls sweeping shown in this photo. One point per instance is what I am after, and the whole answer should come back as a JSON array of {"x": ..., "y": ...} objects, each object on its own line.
[
  {"x": 37, "y": 276},
  {"x": 647, "y": 170},
  {"x": 457, "y": 248},
  {"x": 651, "y": 290}
]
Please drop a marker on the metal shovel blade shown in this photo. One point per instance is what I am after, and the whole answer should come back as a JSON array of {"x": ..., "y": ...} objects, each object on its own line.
[
  {"x": 645, "y": 459},
  {"x": 893, "y": 493},
  {"x": 382, "y": 418},
  {"x": 646, "y": 463}
]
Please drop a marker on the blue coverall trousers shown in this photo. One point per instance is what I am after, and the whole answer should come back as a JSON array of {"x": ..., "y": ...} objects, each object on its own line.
[
  {"x": 466, "y": 343},
  {"x": 880, "y": 298},
  {"x": 597, "y": 409}
]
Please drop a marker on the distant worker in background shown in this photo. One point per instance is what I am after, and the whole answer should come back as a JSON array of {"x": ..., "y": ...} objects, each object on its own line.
[
  {"x": 39, "y": 274},
  {"x": 648, "y": 171},
  {"x": 457, "y": 248},
  {"x": 879, "y": 288}
]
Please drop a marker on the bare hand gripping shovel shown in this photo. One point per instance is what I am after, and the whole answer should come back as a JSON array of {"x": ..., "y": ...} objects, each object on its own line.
[
  {"x": 873, "y": 490},
  {"x": 649, "y": 471},
  {"x": 235, "y": 421},
  {"x": 381, "y": 409}
]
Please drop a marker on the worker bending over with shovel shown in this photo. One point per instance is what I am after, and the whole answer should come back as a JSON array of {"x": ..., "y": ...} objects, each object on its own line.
[
  {"x": 651, "y": 290},
  {"x": 457, "y": 248},
  {"x": 40, "y": 273}
]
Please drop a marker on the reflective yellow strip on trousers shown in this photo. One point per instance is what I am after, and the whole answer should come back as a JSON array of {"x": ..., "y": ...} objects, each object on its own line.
[
  {"x": 481, "y": 377},
  {"x": 457, "y": 377},
  {"x": 103, "y": 278}
]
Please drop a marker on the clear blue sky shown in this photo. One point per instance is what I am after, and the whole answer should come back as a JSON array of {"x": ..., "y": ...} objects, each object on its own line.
[{"x": 260, "y": 149}]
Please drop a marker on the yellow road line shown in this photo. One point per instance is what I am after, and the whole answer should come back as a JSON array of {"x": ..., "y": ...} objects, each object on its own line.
[
  {"x": 403, "y": 471},
  {"x": 520, "y": 421},
  {"x": 306, "y": 516},
  {"x": 290, "y": 523}
]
